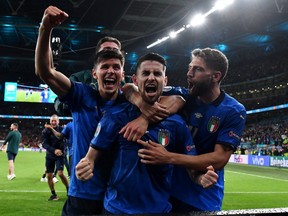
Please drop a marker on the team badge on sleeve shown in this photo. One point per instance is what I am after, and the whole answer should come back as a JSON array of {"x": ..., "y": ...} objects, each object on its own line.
[
  {"x": 232, "y": 134},
  {"x": 97, "y": 130},
  {"x": 213, "y": 124},
  {"x": 163, "y": 137}
]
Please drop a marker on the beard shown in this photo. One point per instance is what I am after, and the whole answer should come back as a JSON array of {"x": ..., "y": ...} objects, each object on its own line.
[{"x": 200, "y": 88}]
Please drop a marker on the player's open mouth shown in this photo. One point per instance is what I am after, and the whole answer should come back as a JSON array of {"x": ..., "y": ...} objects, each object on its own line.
[
  {"x": 109, "y": 82},
  {"x": 190, "y": 83},
  {"x": 150, "y": 89}
]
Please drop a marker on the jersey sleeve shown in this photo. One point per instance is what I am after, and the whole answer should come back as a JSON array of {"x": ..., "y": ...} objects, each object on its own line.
[
  {"x": 45, "y": 141},
  {"x": 232, "y": 130},
  {"x": 67, "y": 130},
  {"x": 7, "y": 138},
  {"x": 106, "y": 132},
  {"x": 171, "y": 90},
  {"x": 77, "y": 95},
  {"x": 184, "y": 140}
]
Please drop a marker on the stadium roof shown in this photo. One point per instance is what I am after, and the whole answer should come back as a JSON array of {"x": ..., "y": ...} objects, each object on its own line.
[{"x": 245, "y": 30}]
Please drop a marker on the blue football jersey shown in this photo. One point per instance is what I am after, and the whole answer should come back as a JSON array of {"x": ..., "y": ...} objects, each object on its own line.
[
  {"x": 136, "y": 188},
  {"x": 87, "y": 107},
  {"x": 221, "y": 122},
  {"x": 68, "y": 134}
]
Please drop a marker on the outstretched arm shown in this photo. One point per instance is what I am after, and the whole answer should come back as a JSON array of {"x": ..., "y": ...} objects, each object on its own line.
[
  {"x": 153, "y": 153},
  {"x": 44, "y": 67},
  {"x": 59, "y": 135}
]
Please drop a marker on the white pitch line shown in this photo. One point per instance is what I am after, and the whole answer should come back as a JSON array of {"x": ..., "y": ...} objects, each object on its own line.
[
  {"x": 266, "y": 177},
  {"x": 259, "y": 192}
]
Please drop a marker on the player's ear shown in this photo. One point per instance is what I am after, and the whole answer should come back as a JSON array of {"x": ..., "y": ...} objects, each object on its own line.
[
  {"x": 94, "y": 74},
  {"x": 134, "y": 79},
  {"x": 217, "y": 75},
  {"x": 165, "y": 81}
]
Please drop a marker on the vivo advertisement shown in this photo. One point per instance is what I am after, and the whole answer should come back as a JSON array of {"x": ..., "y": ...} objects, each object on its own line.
[{"x": 259, "y": 160}]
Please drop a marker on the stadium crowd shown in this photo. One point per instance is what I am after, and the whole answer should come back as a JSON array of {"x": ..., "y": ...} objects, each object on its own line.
[
  {"x": 265, "y": 133},
  {"x": 268, "y": 136},
  {"x": 255, "y": 70},
  {"x": 30, "y": 127}
]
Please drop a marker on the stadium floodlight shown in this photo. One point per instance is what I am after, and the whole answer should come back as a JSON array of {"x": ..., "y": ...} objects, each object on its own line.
[
  {"x": 197, "y": 20},
  {"x": 180, "y": 30},
  {"x": 158, "y": 41},
  {"x": 172, "y": 34},
  {"x": 221, "y": 4}
]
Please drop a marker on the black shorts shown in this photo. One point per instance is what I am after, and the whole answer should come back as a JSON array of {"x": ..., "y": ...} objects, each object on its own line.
[
  {"x": 180, "y": 207},
  {"x": 52, "y": 161},
  {"x": 11, "y": 156},
  {"x": 77, "y": 206}
]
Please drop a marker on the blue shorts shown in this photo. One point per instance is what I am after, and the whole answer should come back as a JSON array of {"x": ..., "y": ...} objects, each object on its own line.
[
  {"x": 79, "y": 206},
  {"x": 11, "y": 156},
  {"x": 51, "y": 162}
]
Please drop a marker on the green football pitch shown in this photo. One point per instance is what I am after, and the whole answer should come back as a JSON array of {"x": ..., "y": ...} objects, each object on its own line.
[
  {"x": 246, "y": 187},
  {"x": 34, "y": 97}
]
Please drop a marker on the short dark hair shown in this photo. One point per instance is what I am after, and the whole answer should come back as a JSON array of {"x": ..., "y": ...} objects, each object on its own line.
[
  {"x": 214, "y": 59},
  {"x": 107, "y": 39},
  {"x": 109, "y": 54},
  {"x": 152, "y": 57},
  {"x": 15, "y": 124}
]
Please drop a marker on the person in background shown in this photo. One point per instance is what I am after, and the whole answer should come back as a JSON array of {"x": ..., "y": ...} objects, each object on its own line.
[
  {"x": 13, "y": 139},
  {"x": 44, "y": 178},
  {"x": 45, "y": 94},
  {"x": 66, "y": 135},
  {"x": 55, "y": 155}
]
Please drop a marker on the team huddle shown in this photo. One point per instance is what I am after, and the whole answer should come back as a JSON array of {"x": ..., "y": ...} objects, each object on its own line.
[{"x": 141, "y": 147}]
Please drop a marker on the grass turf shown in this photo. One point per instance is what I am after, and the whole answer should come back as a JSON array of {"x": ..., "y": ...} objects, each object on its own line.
[
  {"x": 246, "y": 187},
  {"x": 26, "y": 195}
]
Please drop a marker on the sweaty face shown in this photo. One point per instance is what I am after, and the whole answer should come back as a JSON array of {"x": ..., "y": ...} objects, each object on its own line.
[
  {"x": 109, "y": 74},
  {"x": 199, "y": 77},
  {"x": 150, "y": 79},
  {"x": 54, "y": 121}
]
